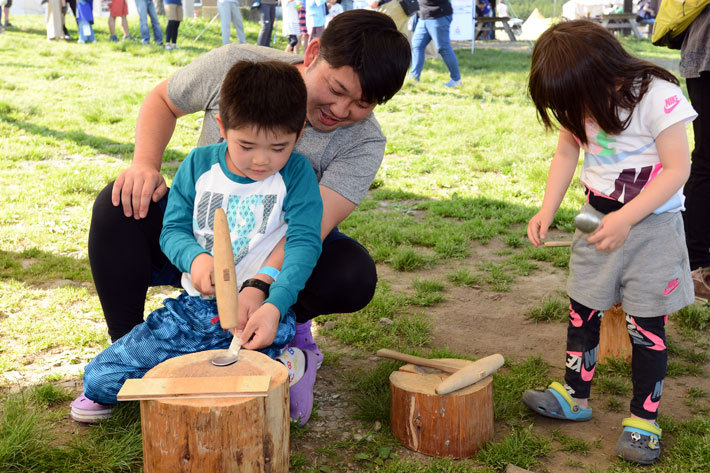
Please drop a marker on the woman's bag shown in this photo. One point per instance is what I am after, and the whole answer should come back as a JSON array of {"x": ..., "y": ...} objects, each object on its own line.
[
  {"x": 673, "y": 18},
  {"x": 410, "y": 7}
]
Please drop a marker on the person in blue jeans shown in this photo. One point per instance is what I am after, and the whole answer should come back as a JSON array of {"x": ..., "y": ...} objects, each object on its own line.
[
  {"x": 433, "y": 23},
  {"x": 147, "y": 8}
]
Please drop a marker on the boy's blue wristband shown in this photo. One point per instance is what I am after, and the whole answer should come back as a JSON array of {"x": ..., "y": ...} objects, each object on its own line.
[{"x": 269, "y": 271}]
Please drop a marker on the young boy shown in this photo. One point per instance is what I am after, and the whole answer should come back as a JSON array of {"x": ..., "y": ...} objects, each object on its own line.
[{"x": 267, "y": 192}]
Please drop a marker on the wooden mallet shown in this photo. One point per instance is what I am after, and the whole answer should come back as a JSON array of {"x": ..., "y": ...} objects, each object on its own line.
[{"x": 460, "y": 377}]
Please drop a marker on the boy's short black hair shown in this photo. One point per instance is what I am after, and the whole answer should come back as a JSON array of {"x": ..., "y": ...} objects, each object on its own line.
[
  {"x": 269, "y": 95},
  {"x": 368, "y": 41}
]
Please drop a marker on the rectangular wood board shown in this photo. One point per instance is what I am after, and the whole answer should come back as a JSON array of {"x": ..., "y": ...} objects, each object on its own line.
[{"x": 198, "y": 387}]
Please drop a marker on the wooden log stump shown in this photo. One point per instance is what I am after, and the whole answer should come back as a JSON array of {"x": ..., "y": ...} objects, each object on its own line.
[
  {"x": 613, "y": 337},
  {"x": 454, "y": 425},
  {"x": 236, "y": 434}
]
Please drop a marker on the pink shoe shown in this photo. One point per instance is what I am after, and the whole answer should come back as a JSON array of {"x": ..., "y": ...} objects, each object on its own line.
[
  {"x": 301, "y": 393},
  {"x": 85, "y": 410},
  {"x": 304, "y": 340}
]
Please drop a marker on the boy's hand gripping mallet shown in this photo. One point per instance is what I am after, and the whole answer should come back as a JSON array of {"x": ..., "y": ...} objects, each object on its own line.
[
  {"x": 225, "y": 282},
  {"x": 460, "y": 377}
]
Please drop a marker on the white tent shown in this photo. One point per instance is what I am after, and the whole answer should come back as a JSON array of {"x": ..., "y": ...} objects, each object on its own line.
[{"x": 534, "y": 26}]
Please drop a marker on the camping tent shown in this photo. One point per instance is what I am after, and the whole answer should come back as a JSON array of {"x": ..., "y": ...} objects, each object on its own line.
[{"x": 534, "y": 26}]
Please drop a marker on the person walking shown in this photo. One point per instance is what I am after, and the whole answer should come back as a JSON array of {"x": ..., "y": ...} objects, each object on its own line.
[{"x": 433, "y": 24}]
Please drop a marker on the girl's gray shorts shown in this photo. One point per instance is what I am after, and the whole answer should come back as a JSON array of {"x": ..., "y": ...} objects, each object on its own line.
[{"x": 649, "y": 274}]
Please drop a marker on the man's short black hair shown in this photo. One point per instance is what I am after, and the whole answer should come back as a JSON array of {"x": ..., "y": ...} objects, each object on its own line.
[
  {"x": 368, "y": 41},
  {"x": 269, "y": 95}
]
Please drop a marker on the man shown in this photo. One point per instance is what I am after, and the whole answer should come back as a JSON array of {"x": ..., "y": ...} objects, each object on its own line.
[
  {"x": 360, "y": 61},
  {"x": 146, "y": 8}
]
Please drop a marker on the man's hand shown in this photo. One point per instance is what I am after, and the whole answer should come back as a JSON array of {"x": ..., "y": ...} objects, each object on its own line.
[
  {"x": 538, "y": 225},
  {"x": 612, "y": 232},
  {"x": 261, "y": 328},
  {"x": 135, "y": 187},
  {"x": 201, "y": 273}
]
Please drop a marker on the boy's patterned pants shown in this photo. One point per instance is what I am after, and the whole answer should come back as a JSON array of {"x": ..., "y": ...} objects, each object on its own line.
[{"x": 184, "y": 325}]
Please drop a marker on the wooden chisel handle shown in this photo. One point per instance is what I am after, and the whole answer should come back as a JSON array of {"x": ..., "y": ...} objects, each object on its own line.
[
  {"x": 416, "y": 360},
  {"x": 225, "y": 277}
]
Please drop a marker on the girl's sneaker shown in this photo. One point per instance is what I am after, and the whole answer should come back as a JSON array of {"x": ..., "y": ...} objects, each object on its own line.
[
  {"x": 304, "y": 340},
  {"x": 301, "y": 393},
  {"x": 640, "y": 441},
  {"x": 85, "y": 410},
  {"x": 555, "y": 402}
]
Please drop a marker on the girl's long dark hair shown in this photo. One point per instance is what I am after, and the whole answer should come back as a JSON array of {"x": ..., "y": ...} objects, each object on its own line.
[{"x": 580, "y": 71}]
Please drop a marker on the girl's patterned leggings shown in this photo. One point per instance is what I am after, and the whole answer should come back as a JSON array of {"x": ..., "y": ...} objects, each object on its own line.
[{"x": 648, "y": 364}]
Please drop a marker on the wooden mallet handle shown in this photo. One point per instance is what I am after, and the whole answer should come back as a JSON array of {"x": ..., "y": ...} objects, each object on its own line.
[
  {"x": 416, "y": 360},
  {"x": 225, "y": 277}
]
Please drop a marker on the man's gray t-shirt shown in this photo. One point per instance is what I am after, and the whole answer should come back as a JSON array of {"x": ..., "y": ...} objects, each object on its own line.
[{"x": 345, "y": 160}]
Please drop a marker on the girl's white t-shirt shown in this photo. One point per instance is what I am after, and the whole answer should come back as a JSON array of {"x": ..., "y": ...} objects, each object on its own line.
[{"x": 621, "y": 166}]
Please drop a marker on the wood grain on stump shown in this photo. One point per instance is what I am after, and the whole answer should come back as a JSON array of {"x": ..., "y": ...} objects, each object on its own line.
[
  {"x": 614, "y": 339},
  {"x": 453, "y": 425},
  {"x": 237, "y": 434}
]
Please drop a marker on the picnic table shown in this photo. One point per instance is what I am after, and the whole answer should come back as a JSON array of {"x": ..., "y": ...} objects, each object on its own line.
[
  {"x": 490, "y": 23},
  {"x": 620, "y": 21}
]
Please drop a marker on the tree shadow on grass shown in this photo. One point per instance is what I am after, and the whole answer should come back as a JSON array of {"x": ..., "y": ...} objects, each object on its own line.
[
  {"x": 35, "y": 266},
  {"x": 100, "y": 144}
]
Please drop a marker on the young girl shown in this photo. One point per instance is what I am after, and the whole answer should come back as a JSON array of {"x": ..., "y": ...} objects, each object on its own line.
[
  {"x": 629, "y": 117},
  {"x": 173, "y": 12}
]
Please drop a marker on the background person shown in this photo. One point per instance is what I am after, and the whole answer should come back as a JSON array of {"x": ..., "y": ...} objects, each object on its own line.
[
  {"x": 267, "y": 17},
  {"x": 146, "y": 8},
  {"x": 636, "y": 160},
  {"x": 230, "y": 14},
  {"x": 341, "y": 139},
  {"x": 55, "y": 19},
  {"x": 290, "y": 26},
  {"x": 118, "y": 9},
  {"x": 5, "y": 14},
  {"x": 433, "y": 24},
  {"x": 315, "y": 18},
  {"x": 695, "y": 67}
]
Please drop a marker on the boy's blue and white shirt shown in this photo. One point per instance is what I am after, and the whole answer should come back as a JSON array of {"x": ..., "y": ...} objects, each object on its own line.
[{"x": 259, "y": 214}]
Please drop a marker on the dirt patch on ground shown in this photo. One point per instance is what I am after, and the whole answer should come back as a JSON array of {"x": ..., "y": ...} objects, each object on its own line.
[
  {"x": 471, "y": 321},
  {"x": 478, "y": 322}
]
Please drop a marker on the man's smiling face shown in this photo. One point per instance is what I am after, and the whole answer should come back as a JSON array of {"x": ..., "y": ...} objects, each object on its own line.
[{"x": 334, "y": 95}]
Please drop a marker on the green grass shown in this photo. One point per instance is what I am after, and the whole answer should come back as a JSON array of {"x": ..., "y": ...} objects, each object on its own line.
[
  {"x": 464, "y": 170},
  {"x": 551, "y": 309}
]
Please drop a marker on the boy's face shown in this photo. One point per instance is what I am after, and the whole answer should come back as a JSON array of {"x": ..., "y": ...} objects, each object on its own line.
[
  {"x": 257, "y": 154},
  {"x": 334, "y": 95}
]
